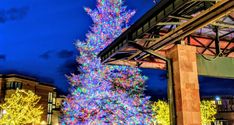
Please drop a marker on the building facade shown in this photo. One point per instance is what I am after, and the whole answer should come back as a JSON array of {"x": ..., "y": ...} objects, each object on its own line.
[
  {"x": 9, "y": 83},
  {"x": 57, "y": 109}
]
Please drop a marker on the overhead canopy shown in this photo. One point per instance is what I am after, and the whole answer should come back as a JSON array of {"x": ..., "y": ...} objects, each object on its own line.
[{"x": 206, "y": 24}]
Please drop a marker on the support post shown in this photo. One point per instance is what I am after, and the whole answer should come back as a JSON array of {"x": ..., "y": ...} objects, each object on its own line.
[
  {"x": 217, "y": 44},
  {"x": 171, "y": 93},
  {"x": 186, "y": 88}
]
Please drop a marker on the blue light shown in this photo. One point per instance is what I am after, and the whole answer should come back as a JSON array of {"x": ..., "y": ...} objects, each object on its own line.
[{"x": 217, "y": 98}]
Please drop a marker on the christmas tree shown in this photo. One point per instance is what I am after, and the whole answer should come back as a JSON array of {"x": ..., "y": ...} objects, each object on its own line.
[{"x": 104, "y": 94}]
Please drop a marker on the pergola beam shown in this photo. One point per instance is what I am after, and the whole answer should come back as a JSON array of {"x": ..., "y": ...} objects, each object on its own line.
[
  {"x": 203, "y": 44},
  {"x": 207, "y": 0},
  {"x": 147, "y": 39},
  {"x": 223, "y": 25},
  {"x": 210, "y": 15},
  {"x": 179, "y": 17},
  {"x": 149, "y": 51},
  {"x": 168, "y": 23},
  {"x": 220, "y": 37},
  {"x": 228, "y": 45},
  {"x": 206, "y": 17}
]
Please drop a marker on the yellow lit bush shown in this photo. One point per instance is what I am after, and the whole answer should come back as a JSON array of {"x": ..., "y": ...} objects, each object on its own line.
[
  {"x": 208, "y": 111},
  {"x": 161, "y": 112},
  {"x": 21, "y": 108}
]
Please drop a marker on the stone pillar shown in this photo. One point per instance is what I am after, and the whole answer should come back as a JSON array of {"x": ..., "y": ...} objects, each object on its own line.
[{"x": 186, "y": 87}]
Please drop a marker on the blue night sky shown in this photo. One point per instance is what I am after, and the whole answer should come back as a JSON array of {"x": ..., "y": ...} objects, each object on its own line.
[{"x": 37, "y": 39}]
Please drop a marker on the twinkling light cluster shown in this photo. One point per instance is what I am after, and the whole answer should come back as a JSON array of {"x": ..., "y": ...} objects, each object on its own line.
[
  {"x": 21, "y": 108},
  {"x": 208, "y": 111},
  {"x": 161, "y": 112},
  {"x": 104, "y": 94}
]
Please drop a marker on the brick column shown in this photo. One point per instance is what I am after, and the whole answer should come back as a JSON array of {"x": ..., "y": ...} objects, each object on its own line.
[{"x": 186, "y": 87}]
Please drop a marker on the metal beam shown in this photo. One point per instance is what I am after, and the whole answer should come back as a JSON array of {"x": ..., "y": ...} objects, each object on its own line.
[
  {"x": 206, "y": 17},
  {"x": 217, "y": 42},
  {"x": 149, "y": 51},
  {"x": 224, "y": 35},
  {"x": 168, "y": 23},
  {"x": 144, "y": 64},
  {"x": 230, "y": 51},
  {"x": 147, "y": 39},
  {"x": 171, "y": 93},
  {"x": 203, "y": 45},
  {"x": 207, "y": 0},
  {"x": 148, "y": 21},
  {"x": 229, "y": 43},
  {"x": 221, "y": 67},
  {"x": 223, "y": 25},
  {"x": 179, "y": 17}
]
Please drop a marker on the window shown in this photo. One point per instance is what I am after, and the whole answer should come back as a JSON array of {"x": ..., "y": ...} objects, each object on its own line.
[
  {"x": 50, "y": 97},
  {"x": 219, "y": 102},
  {"x": 8, "y": 85},
  {"x": 49, "y": 119},
  {"x": 19, "y": 85},
  {"x": 54, "y": 101},
  {"x": 13, "y": 85},
  {"x": 49, "y": 108}
]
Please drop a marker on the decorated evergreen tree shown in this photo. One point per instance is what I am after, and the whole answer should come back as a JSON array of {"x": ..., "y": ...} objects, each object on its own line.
[{"x": 104, "y": 94}]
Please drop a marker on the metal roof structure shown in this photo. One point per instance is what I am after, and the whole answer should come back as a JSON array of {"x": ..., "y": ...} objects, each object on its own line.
[{"x": 206, "y": 24}]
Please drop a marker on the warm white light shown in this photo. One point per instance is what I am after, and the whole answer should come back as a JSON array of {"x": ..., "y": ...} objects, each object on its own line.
[
  {"x": 4, "y": 112},
  {"x": 43, "y": 123}
]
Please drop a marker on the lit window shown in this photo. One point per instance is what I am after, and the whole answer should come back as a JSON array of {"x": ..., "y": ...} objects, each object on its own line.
[
  {"x": 49, "y": 108},
  {"x": 219, "y": 102},
  {"x": 54, "y": 100},
  {"x": 50, "y": 97},
  {"x": 49, "y": 121}
]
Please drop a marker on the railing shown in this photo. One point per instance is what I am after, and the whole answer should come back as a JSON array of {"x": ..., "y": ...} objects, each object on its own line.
[{"x": 225, "y": 108}]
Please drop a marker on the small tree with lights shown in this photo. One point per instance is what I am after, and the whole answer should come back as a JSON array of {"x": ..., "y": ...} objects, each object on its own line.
[
  {"x": 161, "y": 112},
  {"x": 104, "y": 94},
  {"x": 21, "y": 108},
  {"x": 208, "y": 111}
]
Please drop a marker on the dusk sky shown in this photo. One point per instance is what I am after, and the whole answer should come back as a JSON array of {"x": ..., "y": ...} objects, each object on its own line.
[{"x": 37, "y": 39}]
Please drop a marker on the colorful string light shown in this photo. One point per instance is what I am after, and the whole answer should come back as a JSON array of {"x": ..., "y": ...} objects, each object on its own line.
[{"x": 104, "y": 94}]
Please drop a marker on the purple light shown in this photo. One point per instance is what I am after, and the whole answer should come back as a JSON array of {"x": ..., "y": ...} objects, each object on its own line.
[{"x": 104, "y": 94}]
